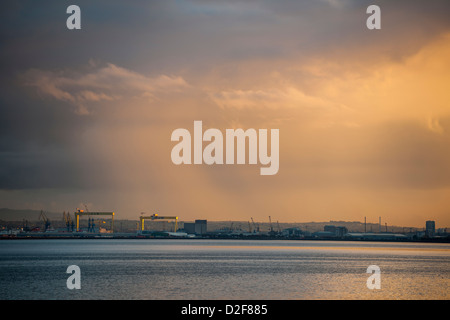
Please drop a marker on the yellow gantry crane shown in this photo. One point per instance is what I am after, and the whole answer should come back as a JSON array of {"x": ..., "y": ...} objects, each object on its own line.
[
  {"x": 81, "y": 212},
  {"x": 157, "y": 217}
]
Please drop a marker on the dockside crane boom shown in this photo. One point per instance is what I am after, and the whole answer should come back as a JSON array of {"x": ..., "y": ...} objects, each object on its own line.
[
  {"x": 255, "y": 227},
  {"x": 81, "y": 212},
  {"x": 68, "y": 221},
  {"x": 158, "y": 217},
  {"x": 45, "y": 219}
]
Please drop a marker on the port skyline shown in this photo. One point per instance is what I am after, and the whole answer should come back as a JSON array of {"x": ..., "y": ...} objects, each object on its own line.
[{"x": 42, "y": 225}]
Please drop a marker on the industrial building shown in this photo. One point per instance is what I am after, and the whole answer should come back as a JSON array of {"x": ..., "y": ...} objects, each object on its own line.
[
  {"x": 337, "y": 231},
  {"x": 430, "y": 228},
  {"x": 331, "y": 231},
  {"x": 199, "y": 227},
  {"x": 292, "y": 232}
]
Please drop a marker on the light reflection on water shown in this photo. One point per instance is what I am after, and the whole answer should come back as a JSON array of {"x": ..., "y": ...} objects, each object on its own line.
[{"x": 222, "y": 269}]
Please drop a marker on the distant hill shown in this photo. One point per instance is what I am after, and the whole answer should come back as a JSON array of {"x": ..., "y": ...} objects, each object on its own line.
[
  {"x": 7, "y": 214},
  {"x": 352, "y": 226}
]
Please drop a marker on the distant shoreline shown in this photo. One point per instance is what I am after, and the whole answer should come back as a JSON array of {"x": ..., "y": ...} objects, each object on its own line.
[{"x": 247, "y": 238}]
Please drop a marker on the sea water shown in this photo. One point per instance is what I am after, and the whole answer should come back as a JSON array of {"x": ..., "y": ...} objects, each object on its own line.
[{"x": 190, "y": 269}]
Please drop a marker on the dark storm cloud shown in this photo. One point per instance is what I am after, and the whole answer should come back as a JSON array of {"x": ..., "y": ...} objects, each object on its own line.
[{"x": 169, "y": 35}]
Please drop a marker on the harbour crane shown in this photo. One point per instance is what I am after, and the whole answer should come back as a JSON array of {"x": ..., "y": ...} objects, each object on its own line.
[
  {"x": 255, "y": 227},
  {"x": 81, "y": 212},
  {"x": 45, "y": 219},
  {"x": 158, "y": 217},
  {"x": 68, "y": 221},
  {"x": 92, "y": 225}
]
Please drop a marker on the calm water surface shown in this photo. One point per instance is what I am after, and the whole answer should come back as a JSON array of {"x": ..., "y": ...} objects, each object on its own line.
[{"x": 222, "y": 269}]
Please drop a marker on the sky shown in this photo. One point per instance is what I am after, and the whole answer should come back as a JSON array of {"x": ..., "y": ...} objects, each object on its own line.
[{"x": 86, "y": 116}]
